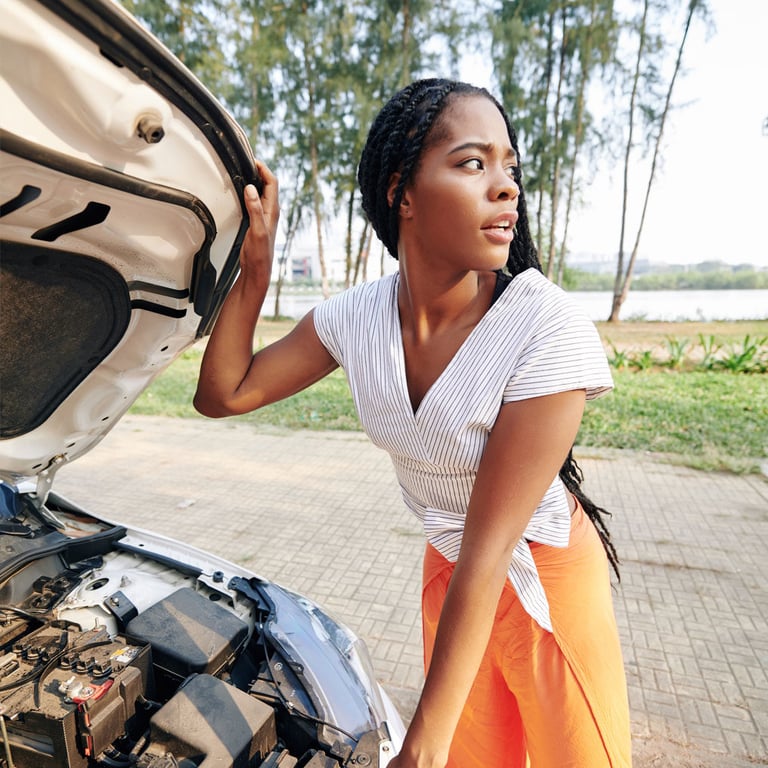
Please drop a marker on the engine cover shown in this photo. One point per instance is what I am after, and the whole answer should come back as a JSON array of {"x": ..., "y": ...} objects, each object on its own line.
[{"x": 189, "y": 634}]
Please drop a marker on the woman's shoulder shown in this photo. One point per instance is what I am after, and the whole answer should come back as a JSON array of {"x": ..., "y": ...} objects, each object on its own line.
[
  {"x": 534, "y": 301},
  {"x": 530, "y": 291},
  {"x": 368, "y": 290},
  {"x": 368, "y": 300}
]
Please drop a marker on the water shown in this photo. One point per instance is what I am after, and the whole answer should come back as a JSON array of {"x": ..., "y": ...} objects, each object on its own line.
[
  {"x": 677, "y": 306},
  {"x": 673, "y": 306}
]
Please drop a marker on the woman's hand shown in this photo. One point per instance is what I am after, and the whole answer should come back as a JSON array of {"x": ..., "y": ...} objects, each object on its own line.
[
  {"x": 424, "y": 746},
  {"x": 258, "y": 249},
  {"x": 232, "y": 378}
]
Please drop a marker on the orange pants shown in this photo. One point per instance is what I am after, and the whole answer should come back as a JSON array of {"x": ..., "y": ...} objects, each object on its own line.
[{"x": 540, "y": 699}]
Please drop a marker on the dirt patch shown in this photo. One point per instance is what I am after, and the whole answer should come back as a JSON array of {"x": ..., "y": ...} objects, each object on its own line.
[
  {"x": 649, "y": 334},
  {"x": 657, "y": 752}
]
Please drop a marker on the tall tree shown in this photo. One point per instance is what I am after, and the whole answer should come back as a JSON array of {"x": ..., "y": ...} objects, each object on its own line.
[
  {"x": 195, "y": 30},
  {"x": 522, "y": 49},
  {"x": 658, "y": 119},
  {"x": 386, "y": 51},
  {"x": 563, "y": 56}
]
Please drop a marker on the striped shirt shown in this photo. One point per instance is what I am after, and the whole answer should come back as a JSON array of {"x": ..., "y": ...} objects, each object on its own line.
[{"x": 533, "y": 341}]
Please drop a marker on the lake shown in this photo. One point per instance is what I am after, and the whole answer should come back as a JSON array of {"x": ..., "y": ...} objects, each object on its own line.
[{"x": 674, "y": 306}]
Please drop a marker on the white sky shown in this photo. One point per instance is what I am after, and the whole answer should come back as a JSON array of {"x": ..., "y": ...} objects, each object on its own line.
[{"x": 710, "y": 197}]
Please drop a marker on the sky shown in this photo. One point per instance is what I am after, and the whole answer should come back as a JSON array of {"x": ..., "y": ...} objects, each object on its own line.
[{"x": 710, "y": 197}]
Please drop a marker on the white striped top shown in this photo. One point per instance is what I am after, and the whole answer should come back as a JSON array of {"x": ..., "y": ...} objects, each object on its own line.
[{"x": 533, "y": 341}]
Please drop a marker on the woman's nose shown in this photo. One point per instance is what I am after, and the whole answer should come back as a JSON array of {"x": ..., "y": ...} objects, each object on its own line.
[{"x": 504, "y": 185}]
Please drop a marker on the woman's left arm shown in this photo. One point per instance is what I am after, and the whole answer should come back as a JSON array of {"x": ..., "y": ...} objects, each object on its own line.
[{"x": 528, "y": 445}]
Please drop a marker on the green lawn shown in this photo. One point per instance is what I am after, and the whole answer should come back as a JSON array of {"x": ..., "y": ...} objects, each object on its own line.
[{"x": 709, "y": 420}]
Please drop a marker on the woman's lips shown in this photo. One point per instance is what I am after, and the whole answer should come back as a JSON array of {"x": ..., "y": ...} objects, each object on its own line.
[
  {"x": 502, "y": 229},
  {"x": 499, "y": 235}
]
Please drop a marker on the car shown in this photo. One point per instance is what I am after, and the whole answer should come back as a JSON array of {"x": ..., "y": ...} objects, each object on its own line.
[{"x": 121, "y": 219}]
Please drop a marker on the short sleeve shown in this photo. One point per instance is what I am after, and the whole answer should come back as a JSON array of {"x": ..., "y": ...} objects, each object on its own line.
[
  {"x": 328, "y": 320},
  {"x": 347, "y": 322},
  {"x": 563, "y": 352}
]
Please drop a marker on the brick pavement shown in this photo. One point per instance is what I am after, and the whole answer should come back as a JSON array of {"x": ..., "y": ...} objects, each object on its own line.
[{"x": 320, "y": 513}]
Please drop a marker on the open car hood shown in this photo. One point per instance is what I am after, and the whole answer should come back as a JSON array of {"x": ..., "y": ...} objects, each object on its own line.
[{"x": 120, "y": 222}]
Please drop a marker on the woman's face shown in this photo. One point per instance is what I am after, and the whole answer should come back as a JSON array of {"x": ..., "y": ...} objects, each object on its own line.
[{"x": 461, "y": 206}]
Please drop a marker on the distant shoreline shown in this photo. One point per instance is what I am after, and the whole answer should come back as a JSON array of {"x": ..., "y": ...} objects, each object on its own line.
[{"x": 662, "y": 306}]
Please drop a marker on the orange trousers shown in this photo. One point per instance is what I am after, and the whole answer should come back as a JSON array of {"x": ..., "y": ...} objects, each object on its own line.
[{"x": 540, "y": 699}]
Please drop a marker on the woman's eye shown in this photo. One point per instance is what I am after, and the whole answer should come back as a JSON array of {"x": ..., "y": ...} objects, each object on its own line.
[
  {"x": 512, "y": 170},
  {"x": 474, "y": 163}
]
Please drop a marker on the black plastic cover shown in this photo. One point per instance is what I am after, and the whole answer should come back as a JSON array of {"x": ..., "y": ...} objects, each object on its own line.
[
  {"x": 188, "y": 633},
  {"x": 214, "y": 725}
]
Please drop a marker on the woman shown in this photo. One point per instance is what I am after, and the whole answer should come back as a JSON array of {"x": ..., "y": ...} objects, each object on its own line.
[{"x": 475, "y": 384}]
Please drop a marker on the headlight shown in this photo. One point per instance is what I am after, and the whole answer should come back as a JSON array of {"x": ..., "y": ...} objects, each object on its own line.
[{"x": 333, "y": 665}]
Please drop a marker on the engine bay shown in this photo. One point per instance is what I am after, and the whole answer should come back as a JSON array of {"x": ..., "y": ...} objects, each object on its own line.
[{"x": 114, "y": 656}]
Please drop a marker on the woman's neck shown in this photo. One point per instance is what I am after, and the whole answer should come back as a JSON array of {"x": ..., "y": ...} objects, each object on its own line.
[{"x": 434, "y": 304}]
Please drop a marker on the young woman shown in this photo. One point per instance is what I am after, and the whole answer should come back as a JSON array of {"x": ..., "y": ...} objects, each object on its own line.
[{"x": 472, "y": 371}]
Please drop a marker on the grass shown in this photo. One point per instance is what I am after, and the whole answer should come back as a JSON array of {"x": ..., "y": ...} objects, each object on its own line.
[
  {"x": 669, "y": 401},
  {"x": 708, "y": 420},
  {"x": 326, "y": 405}
]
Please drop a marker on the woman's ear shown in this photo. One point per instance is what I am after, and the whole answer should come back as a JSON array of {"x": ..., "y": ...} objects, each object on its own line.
[
  {"x": 405, "y": 206},
  {"x": 394, "y": 179}
]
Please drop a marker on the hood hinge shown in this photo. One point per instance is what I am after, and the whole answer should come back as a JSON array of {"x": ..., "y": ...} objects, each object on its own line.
[{"x": 44, "y": 483}]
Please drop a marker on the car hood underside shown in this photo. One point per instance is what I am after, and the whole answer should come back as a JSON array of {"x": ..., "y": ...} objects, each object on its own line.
[{"x": 120, "y": 222}]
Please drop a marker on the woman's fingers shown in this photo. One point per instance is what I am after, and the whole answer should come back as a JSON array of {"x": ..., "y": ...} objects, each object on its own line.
[
  {"x": 263, "y": 210},
  {"x": 269, "y": 195},
  {"x": 263, "y": 213},
  {"x": 251, "y": 193}
]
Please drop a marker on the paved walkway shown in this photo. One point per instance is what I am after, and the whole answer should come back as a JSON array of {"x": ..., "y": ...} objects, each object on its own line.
[{"x": 320, "y": 513}]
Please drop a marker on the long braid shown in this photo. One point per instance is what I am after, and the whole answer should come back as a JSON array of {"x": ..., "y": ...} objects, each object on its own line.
[
  {"x": 572, "y": 477},
  {"x": 407, "y": 125}
]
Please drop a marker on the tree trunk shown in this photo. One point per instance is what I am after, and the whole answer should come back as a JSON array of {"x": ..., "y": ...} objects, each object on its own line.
[
  {"x": 578, "y": 136},
  {"x": 361, "y": 262},
  {"x": 292, "y": 220},
  {"x": 365, "y": 255},
  {"x": 554, "y": 194},
  {"x": 618, "y": 284},
  {"x": 547, "y": 85},
  {"x": 315, "y": 169},
  {"x": 348, "y": 239},
  {"x": 656, "y": 151},
  {"x": 317, "y": 208},
  {"x": 405, "y": 41}
]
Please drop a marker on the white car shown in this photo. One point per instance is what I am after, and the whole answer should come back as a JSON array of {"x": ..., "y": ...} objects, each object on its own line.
[{"x": 120, "y": 225}]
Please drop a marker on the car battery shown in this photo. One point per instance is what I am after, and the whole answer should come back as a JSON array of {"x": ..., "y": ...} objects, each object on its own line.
[
  {"x": 66, "y": 695},
  {"x": 189, "y": 634}
]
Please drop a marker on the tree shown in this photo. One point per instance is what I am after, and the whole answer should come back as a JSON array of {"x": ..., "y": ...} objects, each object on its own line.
[
  {"x": 383, "y": 53},
  {"x": 657, "y": 121},
  {"x": 595, "y": 49},
  {"x": 546, "y": 53}
]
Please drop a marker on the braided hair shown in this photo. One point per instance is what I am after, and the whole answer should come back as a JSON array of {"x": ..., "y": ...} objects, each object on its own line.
[{"x": 409, "y": 123}]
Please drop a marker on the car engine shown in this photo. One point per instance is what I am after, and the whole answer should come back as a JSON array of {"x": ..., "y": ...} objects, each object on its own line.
[{"x": 112, "y": 657}]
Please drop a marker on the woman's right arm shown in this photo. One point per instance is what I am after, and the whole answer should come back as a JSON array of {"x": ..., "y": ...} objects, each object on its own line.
[{"x": 232, "y": 378}]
